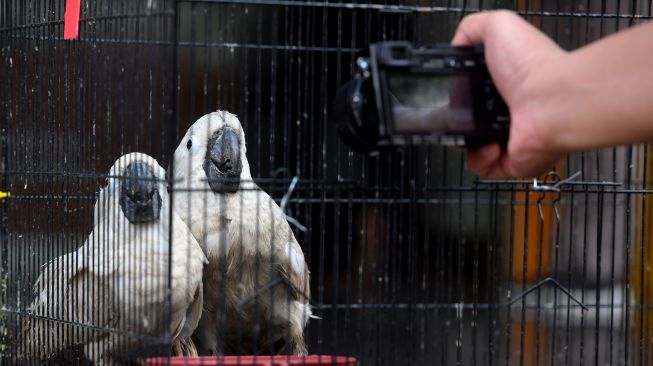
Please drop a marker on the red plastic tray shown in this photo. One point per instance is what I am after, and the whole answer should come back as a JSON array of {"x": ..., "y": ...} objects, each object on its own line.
[{"x": 313, "y": 360}]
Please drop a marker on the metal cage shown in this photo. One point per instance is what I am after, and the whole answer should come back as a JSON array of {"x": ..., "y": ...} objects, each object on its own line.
[{"x": 413, "y": 259}]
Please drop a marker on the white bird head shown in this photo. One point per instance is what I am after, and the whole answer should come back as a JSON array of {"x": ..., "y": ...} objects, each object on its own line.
[
  {"x": 213, "y": 151},
  {"x": 136, "y": 185}
]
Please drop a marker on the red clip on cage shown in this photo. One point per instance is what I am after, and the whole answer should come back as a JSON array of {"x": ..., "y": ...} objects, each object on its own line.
[{"x": 313, "y": 360}]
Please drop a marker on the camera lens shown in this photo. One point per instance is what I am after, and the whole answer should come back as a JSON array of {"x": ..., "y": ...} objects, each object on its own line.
[{"x": 353, "y": 114}]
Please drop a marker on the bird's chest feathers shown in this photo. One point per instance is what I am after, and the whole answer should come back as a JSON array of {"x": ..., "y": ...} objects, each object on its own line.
[{"x": 247, "y": 228}]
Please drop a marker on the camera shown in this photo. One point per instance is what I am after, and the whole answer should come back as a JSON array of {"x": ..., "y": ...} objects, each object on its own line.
[{"x": 403, "y": 95}]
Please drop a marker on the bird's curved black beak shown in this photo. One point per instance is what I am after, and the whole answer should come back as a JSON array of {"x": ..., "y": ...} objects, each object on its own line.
[
  {"x": 222, "y": 163},
  {"x": 140, "y": 200}
]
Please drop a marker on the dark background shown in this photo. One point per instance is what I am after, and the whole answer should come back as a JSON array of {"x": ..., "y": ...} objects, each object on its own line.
[{"x": 413, "y": 261}]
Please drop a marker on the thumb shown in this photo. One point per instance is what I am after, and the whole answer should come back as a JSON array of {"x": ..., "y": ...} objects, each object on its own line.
[
  {"x": 474, "y": 28},
  {"x": 471, "y": 29}
]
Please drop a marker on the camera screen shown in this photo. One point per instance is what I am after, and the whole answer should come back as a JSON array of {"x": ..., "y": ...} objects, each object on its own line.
[{"x": 430, "y": 104}]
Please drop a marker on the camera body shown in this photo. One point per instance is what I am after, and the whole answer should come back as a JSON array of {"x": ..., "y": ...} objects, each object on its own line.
[{"x": 403, "y": 95}]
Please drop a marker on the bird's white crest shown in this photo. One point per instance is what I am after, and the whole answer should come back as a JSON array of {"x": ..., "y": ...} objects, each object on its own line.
[
  {"x": 188, "y": 162},
  {"x": 108, "y": 197},
  {"x": 194, "y": 201}
]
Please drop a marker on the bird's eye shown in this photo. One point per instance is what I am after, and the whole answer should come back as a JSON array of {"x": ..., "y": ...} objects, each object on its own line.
[
  {"x": 105, "y": 183},
  {"x": 189, "y": 144}
]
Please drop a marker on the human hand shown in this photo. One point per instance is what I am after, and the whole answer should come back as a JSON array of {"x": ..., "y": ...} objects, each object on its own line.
[{"x": 524, "y": 64}]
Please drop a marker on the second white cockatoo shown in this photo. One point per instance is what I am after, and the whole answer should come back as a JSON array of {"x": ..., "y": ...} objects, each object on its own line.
[{"x": 256, "y": 285}]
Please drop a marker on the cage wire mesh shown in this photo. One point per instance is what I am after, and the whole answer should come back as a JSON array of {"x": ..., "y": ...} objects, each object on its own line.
[{"x": 413, "y": 260}]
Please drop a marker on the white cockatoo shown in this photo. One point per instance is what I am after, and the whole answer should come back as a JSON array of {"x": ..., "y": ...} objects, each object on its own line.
[
  {"x": 256, "y": 285},
  {"x": 135, "y": 281}
]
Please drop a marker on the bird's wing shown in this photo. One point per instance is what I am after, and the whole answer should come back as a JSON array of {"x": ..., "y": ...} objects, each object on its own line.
[
  {"x": 193, "y": 314},
  {"x": 40, "y": 334},
  {"x": 292, "y": 266},
  {"x": 188, "y": 262},
  {"x": 67, "y": 296},
  {"x": 287, "y": 255}
]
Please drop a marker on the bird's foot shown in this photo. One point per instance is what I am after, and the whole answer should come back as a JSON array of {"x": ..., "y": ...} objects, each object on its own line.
[{"x": 184, "y": 347}]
